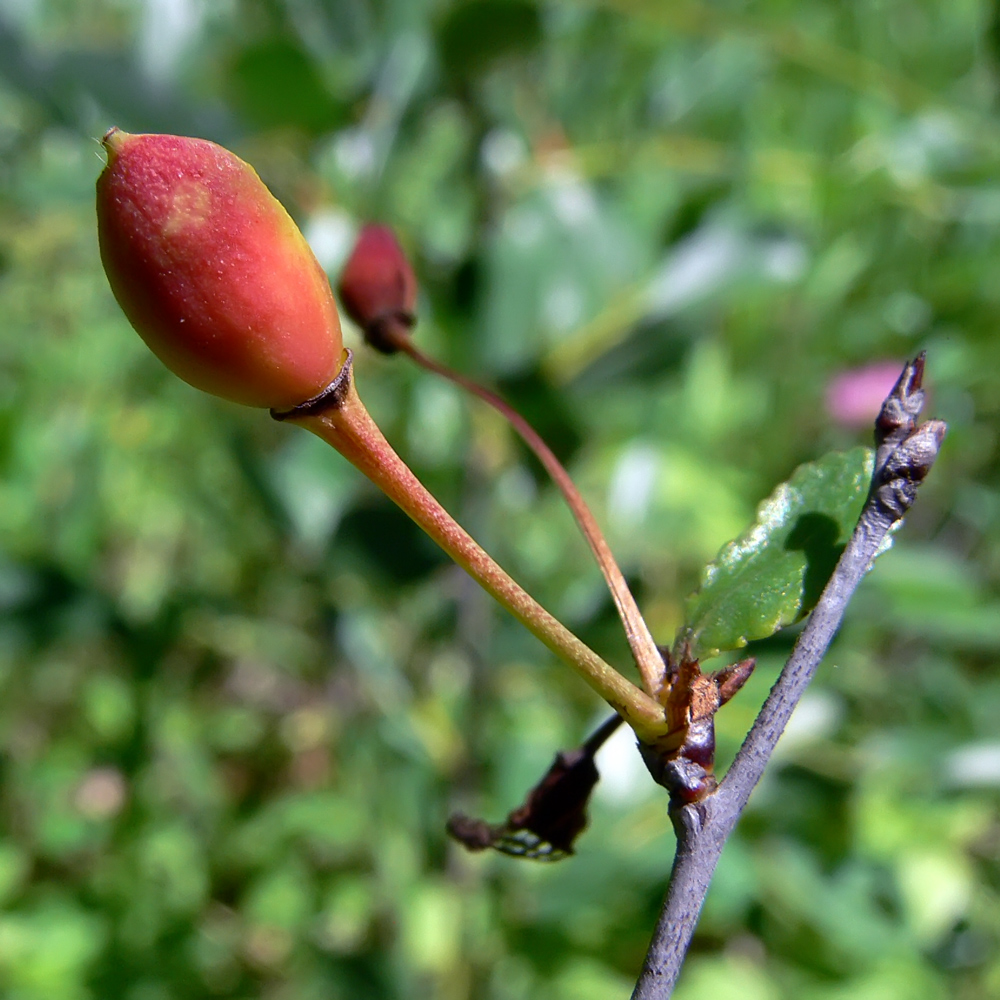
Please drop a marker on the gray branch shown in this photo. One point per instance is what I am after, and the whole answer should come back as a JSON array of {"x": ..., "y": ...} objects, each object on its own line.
[{"x": 904, "y": 456}]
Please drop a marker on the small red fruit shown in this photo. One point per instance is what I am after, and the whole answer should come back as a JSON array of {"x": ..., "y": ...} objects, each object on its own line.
[
  {"x": 212, "y": 272},
  {"x": 377, "y": 286}
]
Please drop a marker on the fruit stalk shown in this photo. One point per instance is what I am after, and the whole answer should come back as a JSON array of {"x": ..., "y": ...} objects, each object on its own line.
[
  {"x": 343, "y": 422},
  {"x": 644, "y": 650},
  {"x": 222, "y": 286}
]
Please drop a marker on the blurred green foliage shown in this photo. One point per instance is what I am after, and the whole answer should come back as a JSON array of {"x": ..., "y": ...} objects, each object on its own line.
[{"x": 239, "y": 693}]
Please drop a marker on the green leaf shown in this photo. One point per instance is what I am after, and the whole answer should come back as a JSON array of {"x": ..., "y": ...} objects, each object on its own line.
[
  {"x": 275, "y": 83},
  {"x": 475, "y": 35},
  {"x": 773, "y": 574}
]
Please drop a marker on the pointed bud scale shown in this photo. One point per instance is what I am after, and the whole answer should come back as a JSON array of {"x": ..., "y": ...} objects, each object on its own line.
[
  {"x": 212, "y": 272},
  {"x": 377, "y": 285}
]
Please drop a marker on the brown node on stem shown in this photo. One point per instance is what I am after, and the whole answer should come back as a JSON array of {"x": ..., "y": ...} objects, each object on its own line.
[{"x": 683, "y": 761}]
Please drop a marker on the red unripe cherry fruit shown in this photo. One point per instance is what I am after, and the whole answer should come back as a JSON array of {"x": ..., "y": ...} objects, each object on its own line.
[
  {"x": 212, "y": 272},
  {"x": 377, "y": 285}
]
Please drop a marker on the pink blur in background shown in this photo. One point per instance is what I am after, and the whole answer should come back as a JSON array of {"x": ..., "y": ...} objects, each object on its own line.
[{"x": 854, "y": 396}]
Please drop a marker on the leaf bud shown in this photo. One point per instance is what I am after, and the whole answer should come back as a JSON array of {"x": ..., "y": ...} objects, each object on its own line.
[{"x": 212, "y": 272}]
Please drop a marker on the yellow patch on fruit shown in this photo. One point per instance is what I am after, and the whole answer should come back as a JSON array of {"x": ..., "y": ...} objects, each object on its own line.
[{"x": 190, "y": 208}]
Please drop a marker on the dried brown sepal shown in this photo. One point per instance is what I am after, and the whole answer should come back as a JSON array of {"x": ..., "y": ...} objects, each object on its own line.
[
  {"x": 388, "y": 333},
  {"x": 547, "y": 825},
  {"x": 473, "y": 834},
  {"x": 732, "y": 677},
  {"x": 684, "y": 761}
]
